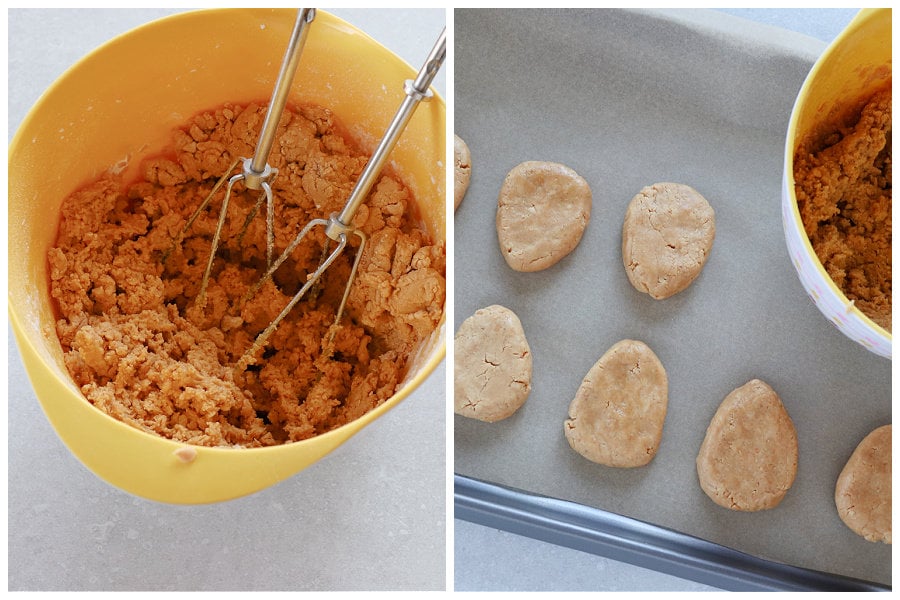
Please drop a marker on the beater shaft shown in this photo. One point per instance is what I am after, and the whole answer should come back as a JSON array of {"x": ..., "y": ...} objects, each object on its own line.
[{"x": 256, "y": 171}]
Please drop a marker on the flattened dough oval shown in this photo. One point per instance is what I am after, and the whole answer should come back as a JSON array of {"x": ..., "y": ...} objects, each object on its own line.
[
  {"x": 462, "y": 170},
  {"x": 542, "y": 212},
  {"x": 863, "y": 490},
  {"x": 617, "y": 415},
  {"x": 492, "y": 365},
  {"x": 748, "y": 459},
  {"x": 667, "y": 236}
]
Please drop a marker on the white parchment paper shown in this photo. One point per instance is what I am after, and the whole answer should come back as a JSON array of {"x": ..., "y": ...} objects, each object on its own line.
[{"x": 630, "y": 98}]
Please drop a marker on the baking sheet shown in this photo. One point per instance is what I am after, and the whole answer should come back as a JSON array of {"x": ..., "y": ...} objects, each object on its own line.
[{"x": 629, "y": 98}]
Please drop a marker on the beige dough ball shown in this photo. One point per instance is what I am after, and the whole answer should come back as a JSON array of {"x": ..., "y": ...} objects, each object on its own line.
[
  {"x": 667, "y": 235},
  {"x": 542, "y": 212},
  {"x": 863, "y": 490},
  {"x": 492, "y": 365},
  {"x": 748, "y": 459},
  {"x": 617, "y": 416},
  {"x": 462, "y": 170}
]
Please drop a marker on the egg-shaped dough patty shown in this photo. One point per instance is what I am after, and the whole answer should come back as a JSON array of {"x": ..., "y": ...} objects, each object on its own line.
[
  {"x": 462, "y": 170},
  {"x": 748, "y": 459},
  {"x": 863, "y": 490},
  {"x": 542, "y": 212},
  {"x": 667, "y": 235},
  {"x": 617, "y": 415},
  {"x": 492, "y": 365}
]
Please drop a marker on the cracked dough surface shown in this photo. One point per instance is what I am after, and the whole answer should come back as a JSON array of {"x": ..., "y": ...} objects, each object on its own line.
[
  {"x": 844, "y": 196},
  {"x": 492, "y": 365},
  {"x": 617, "y": 415},
  {"x": 141, "y": 350},
  {"x": 462, "y": 172},
  {"x": 748, "y": 459},
  {"x": 863, "y": 490},
  {"x": 542, "y": 212},
  {"x": 667, "y": 235}
]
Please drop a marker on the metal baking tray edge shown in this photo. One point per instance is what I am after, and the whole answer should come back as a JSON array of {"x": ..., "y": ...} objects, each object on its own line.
[{"x": 603, "y": 533}]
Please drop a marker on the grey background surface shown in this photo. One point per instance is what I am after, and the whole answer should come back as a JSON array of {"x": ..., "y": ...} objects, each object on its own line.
[
  {"x": 370, "y": 516},
  {"x": 627, "y": 100}
]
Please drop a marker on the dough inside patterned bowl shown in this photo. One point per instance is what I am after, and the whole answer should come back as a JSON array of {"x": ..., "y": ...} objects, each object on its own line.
[{"x": 843, "y": 187}]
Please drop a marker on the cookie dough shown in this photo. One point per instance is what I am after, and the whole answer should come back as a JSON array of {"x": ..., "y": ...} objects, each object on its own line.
[
  {"x": 843, "y": 189},
  {"x": 617, "y": 416},
  {"x": 748, "y": 459},
  {"x": 462, "y": 171},
  {"x": 542, "y": 212},
  {"x": 492, "y": 365},
  {"x": 667, "y": 235},
  {"x": 863, "y": 491},
  {"x": 139, "y": 348}
]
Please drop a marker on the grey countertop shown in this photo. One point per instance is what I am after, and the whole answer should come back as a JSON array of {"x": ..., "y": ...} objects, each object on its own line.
[{"x": 370, "y": 516}]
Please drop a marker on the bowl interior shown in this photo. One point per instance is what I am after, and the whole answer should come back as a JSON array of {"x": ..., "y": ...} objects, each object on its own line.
[
  {"x": 853, "y": 67},
  {"x": 120, "y": 104}
]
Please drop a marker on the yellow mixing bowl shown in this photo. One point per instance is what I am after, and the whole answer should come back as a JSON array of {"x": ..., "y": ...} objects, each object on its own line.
[
  {"x": 856, "y": 64},
  {"x": 121, "y": 103}
]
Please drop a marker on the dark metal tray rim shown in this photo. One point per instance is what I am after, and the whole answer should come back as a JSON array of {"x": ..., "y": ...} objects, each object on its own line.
[{"x": 636, "y": 542}]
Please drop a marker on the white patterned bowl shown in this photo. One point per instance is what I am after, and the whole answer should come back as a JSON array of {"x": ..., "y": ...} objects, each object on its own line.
[{"x": 856, "y": 64}]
